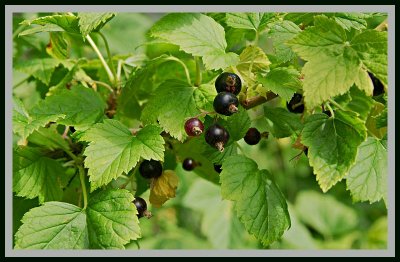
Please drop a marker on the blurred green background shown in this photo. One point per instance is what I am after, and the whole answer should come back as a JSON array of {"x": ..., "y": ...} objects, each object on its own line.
[{"x": 197, "y": 218}]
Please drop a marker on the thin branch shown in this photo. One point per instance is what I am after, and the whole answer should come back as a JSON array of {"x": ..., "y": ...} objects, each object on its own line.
[
  {"x": 83, "y": 184},
  {"x": 108, "y": 53},
  {"x": 257, "y": 100},
  {"x": 100, "y": 83},
  {"x": 172, "y": 58},
  {"x": 105, "y": 65},
  {"x": 198, "y": 71}
]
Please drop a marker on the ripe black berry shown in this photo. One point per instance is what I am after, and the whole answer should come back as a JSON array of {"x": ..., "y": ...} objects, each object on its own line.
[
  {"x": 218, "y": 168},
  {"x": 327, "y": 112},
  {"x": 306, "y": 151},
  {"x": 150, "y": 169},
  {"x": 194, "y": 127},
  {"x": 141, "y": 207},
  {"x": 226, "y": 103},
  {"x": 189, "y": 164},
  {"x": 217, "y": 136},
  {"x": 228, "y": 82},
  {"x": 378, "y": 86},
  {"x": 252, "y": 136},
  {"x": 295, "y": 104}
]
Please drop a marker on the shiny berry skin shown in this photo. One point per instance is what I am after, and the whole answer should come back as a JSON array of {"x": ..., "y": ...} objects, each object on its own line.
[
  {"x": 295, "y": 104},
  {"x": 218, "y": 168},
  {"x": 253, "y": 136},
  {"x": 217, "y": 136},
  {"x": 194, "y": 127},
  {"x": 228, "y": 82},
  {"x": 189, "y": 164},
  {"x": 150, "y": 169},
  {"x": 226, "y": 103},
  {"x": 378, "y": 86},
  {"x": 141, "y": 206}
]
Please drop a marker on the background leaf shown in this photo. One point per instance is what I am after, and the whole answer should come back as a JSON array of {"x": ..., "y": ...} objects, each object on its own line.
[
  {"x": 367, "y": 178},
  {"x": 332, "y": 145},
  {"x": 259, "y": 203},
  {"x": 198, "y": 35}
]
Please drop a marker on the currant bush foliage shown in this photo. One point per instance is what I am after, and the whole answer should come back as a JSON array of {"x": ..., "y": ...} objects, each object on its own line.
[{"x": 99, "y": 113}]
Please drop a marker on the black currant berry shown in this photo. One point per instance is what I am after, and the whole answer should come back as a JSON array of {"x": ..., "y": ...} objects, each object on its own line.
[
  {"x": 378, "y": 86},
  {"x": 327, "y": 112},
  {"x": 150, "y": 169},
  {"x": 141, "y": 207},
  {"x": 226, "y": 103},
  {"x": 228, "y": 82},
  {"x": 72, "y": 129},
  {"x": 189, "y": 164},
  {"x": 295, "y": 104},
  {"x": 252, "y": 136},
  {"x": 218, "y": 168},
  {"x": 194, "y": 127},
  {"x": 217, "y": 136},
  {"x": 306, "y": 151}
]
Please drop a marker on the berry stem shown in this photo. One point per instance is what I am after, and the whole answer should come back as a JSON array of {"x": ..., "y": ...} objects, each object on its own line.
[
  {"x": 83, "y": 185},
  {"x": 105, "y": 65},
  {"x": 257, "y": 100},
  {"x": 172, "y": 58},
  {"x": 198, "y": 71},
  {"x": 131, "y": 177},
  {"x": 100, "y": 83},
  {"x": 333, "y": 102},
  {"x": 110, "y": 62},
  {"x": 330, "y": 110}
]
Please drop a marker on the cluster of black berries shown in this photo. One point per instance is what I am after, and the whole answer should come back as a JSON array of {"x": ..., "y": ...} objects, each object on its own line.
[{"x": 228, "y": 85}]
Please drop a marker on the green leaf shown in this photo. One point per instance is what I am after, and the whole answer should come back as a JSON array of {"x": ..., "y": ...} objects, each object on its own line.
[
  {"x": 254, "y": 58},
  {"x": 196, "y": 34},
  {"x": 20, "y": 206},
  {"x": 357, "y": 101},
  {"x": 259, "y": 203},
  {"x": 367, "y": 178},
  {"x": 55, "y": 225},
  {"x": 325, "y": 214},
  {"x": 81, "y": 107},
  {"x": 238, "y": 124},
  {"x": 111, "y": 219},
  {"x": 68, "y": 77},
  {"x": 281, "y": 32},
  {"x": 35, "y": 175},
  {"x": 93, "y": 21},
  {"x": 48, "y": 138},
  {"x": 171, "y": 113},
  {"x": 140, "y": 82},
  {"x": 223, "y": 231},
  {"x": 66, "y": 22},
  {"x": 204, "y": 96},
  {"x": 381, "y": 119},
  {"x": 58, "y": 46},
  {"x": 351, "y": 20},
  {"x": 41, "y": 29},
  {"x": 41, "y": 69},
  {"x": 251, "y": 21},
  {"x": 113, "y": 150},
  {"x": 371, "y": 47},
  {"x": 109, "y": 222},
  {"x": 332, "y": 145},
  {"x": 24, "y": 124},
  {"x": 282, "y": 81},
  {"x": 282, "y": 123},
  {"x": 336, "y": 61}
]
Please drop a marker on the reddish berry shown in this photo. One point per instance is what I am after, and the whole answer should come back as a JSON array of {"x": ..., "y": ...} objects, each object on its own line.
[{"x": 194, "y": 127}]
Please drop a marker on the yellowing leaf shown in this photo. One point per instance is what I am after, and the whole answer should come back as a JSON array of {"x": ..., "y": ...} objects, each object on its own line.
[{"x": 163, "y": 188}]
